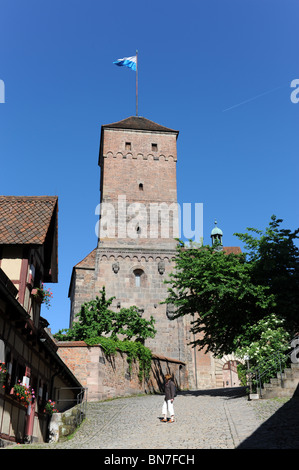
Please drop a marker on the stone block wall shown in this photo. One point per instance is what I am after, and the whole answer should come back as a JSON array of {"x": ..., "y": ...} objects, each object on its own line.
[
  {"x": 115, "y": 270},
  {"x": 147, "y": 297},
  {"x": 110, "y": 377},
  {"x": 64, "y": 424}
]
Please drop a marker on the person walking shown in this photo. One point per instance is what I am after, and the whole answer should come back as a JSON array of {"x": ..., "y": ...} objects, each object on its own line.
[{"x": 168, "y": 399}]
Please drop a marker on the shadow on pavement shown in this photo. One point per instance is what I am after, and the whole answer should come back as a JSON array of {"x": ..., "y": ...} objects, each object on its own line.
[
  {"x": 281, "y": 431},
  {"x": 230, "y": 393}
]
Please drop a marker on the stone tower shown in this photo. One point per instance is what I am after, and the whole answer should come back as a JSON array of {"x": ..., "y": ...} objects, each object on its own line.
[
  {"x": 136, "y": 246},
  {"x": 137, "y": 226}
]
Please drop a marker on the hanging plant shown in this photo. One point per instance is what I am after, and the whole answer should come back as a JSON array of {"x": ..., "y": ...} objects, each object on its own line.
[
  {"x": 43, "y": 295},
  {"x": 23, "y": 394},
  {"x": 3, "y": 373},
  {"x": 50, "y": 408}
]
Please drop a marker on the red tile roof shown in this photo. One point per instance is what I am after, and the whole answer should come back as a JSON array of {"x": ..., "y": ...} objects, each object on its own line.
[
  {"x": 25, "y": 219},
  {"x": 88, "y": 261},
  {"x": 232, "y": 249}
]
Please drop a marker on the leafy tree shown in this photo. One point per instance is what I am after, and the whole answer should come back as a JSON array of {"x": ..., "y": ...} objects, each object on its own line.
[
  {"x": 266, "y": 344},
  {"x": 129, "y": 322},
  {"x": 228, "y": 294},
  {"x": 96, "y": 319},
  {"x": 218, "y": 290},
  {"x": 274, "y": 260}
]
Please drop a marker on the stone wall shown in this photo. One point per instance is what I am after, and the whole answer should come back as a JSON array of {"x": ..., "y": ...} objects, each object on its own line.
[
  {"x": 147, "y": 297},
  {"x": 114, "y": 269},
  {"x": 64, "y": 424},
  {"x": 109, "y": 377}
]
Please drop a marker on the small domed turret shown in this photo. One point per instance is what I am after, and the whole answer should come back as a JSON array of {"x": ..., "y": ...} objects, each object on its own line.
[{"x": 216, "y": 235}]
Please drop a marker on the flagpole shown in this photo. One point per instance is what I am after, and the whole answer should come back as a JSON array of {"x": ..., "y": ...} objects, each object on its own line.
[{"x": 136, "y": 83}]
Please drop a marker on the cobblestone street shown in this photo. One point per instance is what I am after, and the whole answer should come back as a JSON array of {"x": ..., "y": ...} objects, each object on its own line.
[{"x": 208, "y": 419}]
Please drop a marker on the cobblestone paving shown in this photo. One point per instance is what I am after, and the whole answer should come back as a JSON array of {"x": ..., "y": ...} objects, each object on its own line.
[{"x": 211, "y": 419}]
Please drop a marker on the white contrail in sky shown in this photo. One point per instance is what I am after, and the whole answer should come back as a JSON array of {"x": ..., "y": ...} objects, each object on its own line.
[{"x": 254, "y": 98}]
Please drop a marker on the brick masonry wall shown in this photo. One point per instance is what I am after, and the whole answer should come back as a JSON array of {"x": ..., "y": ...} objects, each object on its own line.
[
  {"x": 109, "y": 377},
  {"x": 123, "y": 171}
]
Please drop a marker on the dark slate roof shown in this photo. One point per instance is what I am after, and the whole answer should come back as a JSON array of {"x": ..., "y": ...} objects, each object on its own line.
[
  {"x": 25, "y": 219},
  {"x": 139, "y": 123}
]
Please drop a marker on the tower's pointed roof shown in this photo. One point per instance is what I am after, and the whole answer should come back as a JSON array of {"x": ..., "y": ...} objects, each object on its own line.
[{"x": 139, "y": 123}]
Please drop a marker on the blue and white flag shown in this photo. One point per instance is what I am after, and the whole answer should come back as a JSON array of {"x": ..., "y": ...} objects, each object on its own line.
[{"x": 128, "y": 62}]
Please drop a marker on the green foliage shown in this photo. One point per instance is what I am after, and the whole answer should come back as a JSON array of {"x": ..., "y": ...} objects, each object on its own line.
[
  {"x": 228, "y": 294},
  {"x": 266, "y": 344},
  {"x": 95, "y": 320},
  {"x": 134, "y": 351},
  {"x": 242, "y": 374},
  {"x": 129, "y": 322},
  {"x": 273, "y": 257},
  {"x": 217, "y": 290}
]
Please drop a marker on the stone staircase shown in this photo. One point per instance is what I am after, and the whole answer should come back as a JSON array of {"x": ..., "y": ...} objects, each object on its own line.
[{"x": 282, "y": 386}]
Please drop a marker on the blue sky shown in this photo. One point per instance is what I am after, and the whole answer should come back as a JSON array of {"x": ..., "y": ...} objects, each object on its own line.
[{"x": 219, "y": 71}]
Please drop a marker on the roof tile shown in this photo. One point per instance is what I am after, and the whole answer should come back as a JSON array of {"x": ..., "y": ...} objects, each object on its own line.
[
  {"x": 139, "y": 123},
  {"x": 25, "y": 219}
]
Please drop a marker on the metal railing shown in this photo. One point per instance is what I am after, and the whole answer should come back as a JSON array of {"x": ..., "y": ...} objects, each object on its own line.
[
  {"x": 278, "y": 362},
  {"x": 79, "y": 400}
]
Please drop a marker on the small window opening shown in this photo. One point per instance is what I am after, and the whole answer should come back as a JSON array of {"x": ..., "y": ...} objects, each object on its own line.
[
  {"x": 154, "y": 147},
  {"x": 138, "y": 273},
  {"x": 138, "y": 229},
  {"x": 140, "y": 186},
  {"x": 137, "y": 279},
  {"x": 128, "y": 146}
]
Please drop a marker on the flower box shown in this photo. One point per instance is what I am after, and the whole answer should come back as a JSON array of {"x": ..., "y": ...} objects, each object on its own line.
[
  {"x": 3, "y": 373},
  {"x": 50, "y": 408},
  {"x": 42, "y": 295},
  {"x": 22, "y": 393}
]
